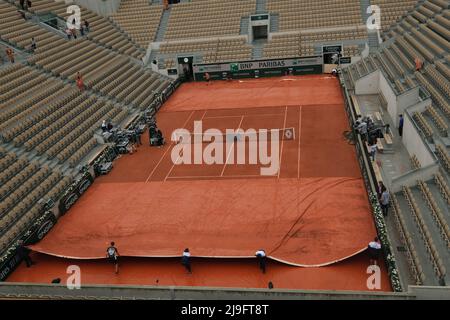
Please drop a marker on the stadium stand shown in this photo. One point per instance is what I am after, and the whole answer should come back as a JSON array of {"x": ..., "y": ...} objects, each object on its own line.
[
  {"x": 421, "y": 31},
  {"x": 47, "y": 125},
  {"x": 207, "y": 18},
  {"x": 217, "y": 50},
  {"x": 302, "y": 14},
  {"x": 24, "y": 183},
  {"x": 102, "y": 31},
  {"x": 301, "y": 43},
  {"x": 392, "y": 11},
  {"x": 139, "y": 19}
]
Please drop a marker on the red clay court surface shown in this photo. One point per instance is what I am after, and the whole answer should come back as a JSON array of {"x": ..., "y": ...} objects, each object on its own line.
[{"x": 312, "y": 213}]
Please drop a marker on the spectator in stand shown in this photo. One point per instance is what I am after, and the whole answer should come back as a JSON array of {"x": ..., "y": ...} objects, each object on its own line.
[
  {"x": 374, "y": 248},
  {"x": 74, "y": 32},
  {"x": 373, "y": 149},
  {"x": 86, "y": 26},
  {"x": 22, "y": 4},
  {"x": 80, "y": 83},
  {"x": 10, "y": 54},
  {"x": 28, "y": 4},
  {"x": 362, "y": 129},
  {"x": 419, "y": 63},
  {"x": 400, "y": 126},
  {"x": 384, "y": 201},
  {"x": 33, "y": 44},
  {"x": 104, "y": 126},
  {"x": 69, "y": 34},
  {"x": 380, "y": 189},
  {"x": 22, "y": 14}
]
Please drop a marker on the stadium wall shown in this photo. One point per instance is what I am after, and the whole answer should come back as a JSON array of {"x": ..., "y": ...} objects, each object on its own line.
[
  {"x": 410, "y": 178},
  {"x": 56, "y": 291},
  {"x": 102, "y": 7},
  {"x": 390, "y": 96},
  {"x": 414, "y": 143},
  {"x": 259, "y": 68},
  {"x": 368, "y": 84}
]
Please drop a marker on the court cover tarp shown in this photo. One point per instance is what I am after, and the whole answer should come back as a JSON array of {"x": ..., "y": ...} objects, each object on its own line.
[{"x": 307, "y": 222}]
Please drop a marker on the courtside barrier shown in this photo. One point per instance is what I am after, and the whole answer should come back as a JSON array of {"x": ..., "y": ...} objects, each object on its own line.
[
  {"x": 74, "y": 192},
  {"x": 259, "y": 68},
  {"x": 10, "y": 259}
]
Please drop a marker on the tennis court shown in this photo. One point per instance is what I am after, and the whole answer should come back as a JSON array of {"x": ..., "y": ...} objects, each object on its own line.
[{"x": 312, "y": 212}]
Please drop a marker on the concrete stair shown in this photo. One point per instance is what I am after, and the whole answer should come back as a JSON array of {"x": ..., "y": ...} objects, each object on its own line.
[
  {"x": 163, "y": 25},
  {"x": 244, "y": 25},
  {"x": 274, "y": 23},
  {"x": 261, "y": 6},
  {"x": 257, "y": 50}
]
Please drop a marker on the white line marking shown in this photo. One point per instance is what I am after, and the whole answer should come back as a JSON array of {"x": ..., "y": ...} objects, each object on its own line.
[
  {"x": 171, "y": 145},
  {"x": 173, "y": 165},
  {"x": 282, "y": 142},
  {"x": 299, "y": 134},
  {"x": 232, "y": 148}
]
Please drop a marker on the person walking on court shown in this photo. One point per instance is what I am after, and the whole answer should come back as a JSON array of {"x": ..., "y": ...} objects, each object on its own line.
[
  {"x": 186, "y": 260},
  {"x": 400, "y": 126},
  {"x": 384, "y": 201},
  {"x": 261, "y": 256},
  {"x": 113, "y": 256},
  {"x": 137, "y": 135},
  {"x": 24, "y": 254},
  {"x": 374, "y": 248}
]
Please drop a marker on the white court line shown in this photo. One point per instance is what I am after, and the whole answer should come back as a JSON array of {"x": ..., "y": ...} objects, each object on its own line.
[
  {"x": 173, "y": 165},
  {"x": 229, "y": 176},
  {"x": 247, "y": 115},
  {"x": 160, "y": 160},
  {"x": 282, "y": 142},
  {"x": 232, "y": 148},
  {"x": 299, "y": 134}
]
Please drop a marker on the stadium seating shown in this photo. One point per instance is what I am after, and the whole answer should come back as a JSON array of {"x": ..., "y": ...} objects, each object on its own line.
[
  {"x": 391, "y": 11},
  {"x": 304, "y": 14},
  {"x": 24, "y": 183},
  {"x": 302, "y": 43},
  {"x": 139, "y": 20},
  {"x": 217, "y": 50},
  {"x": 207, "y": 18},
  {"x": 102, "y": 31},
  {"x": 413, "y": 259}
]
